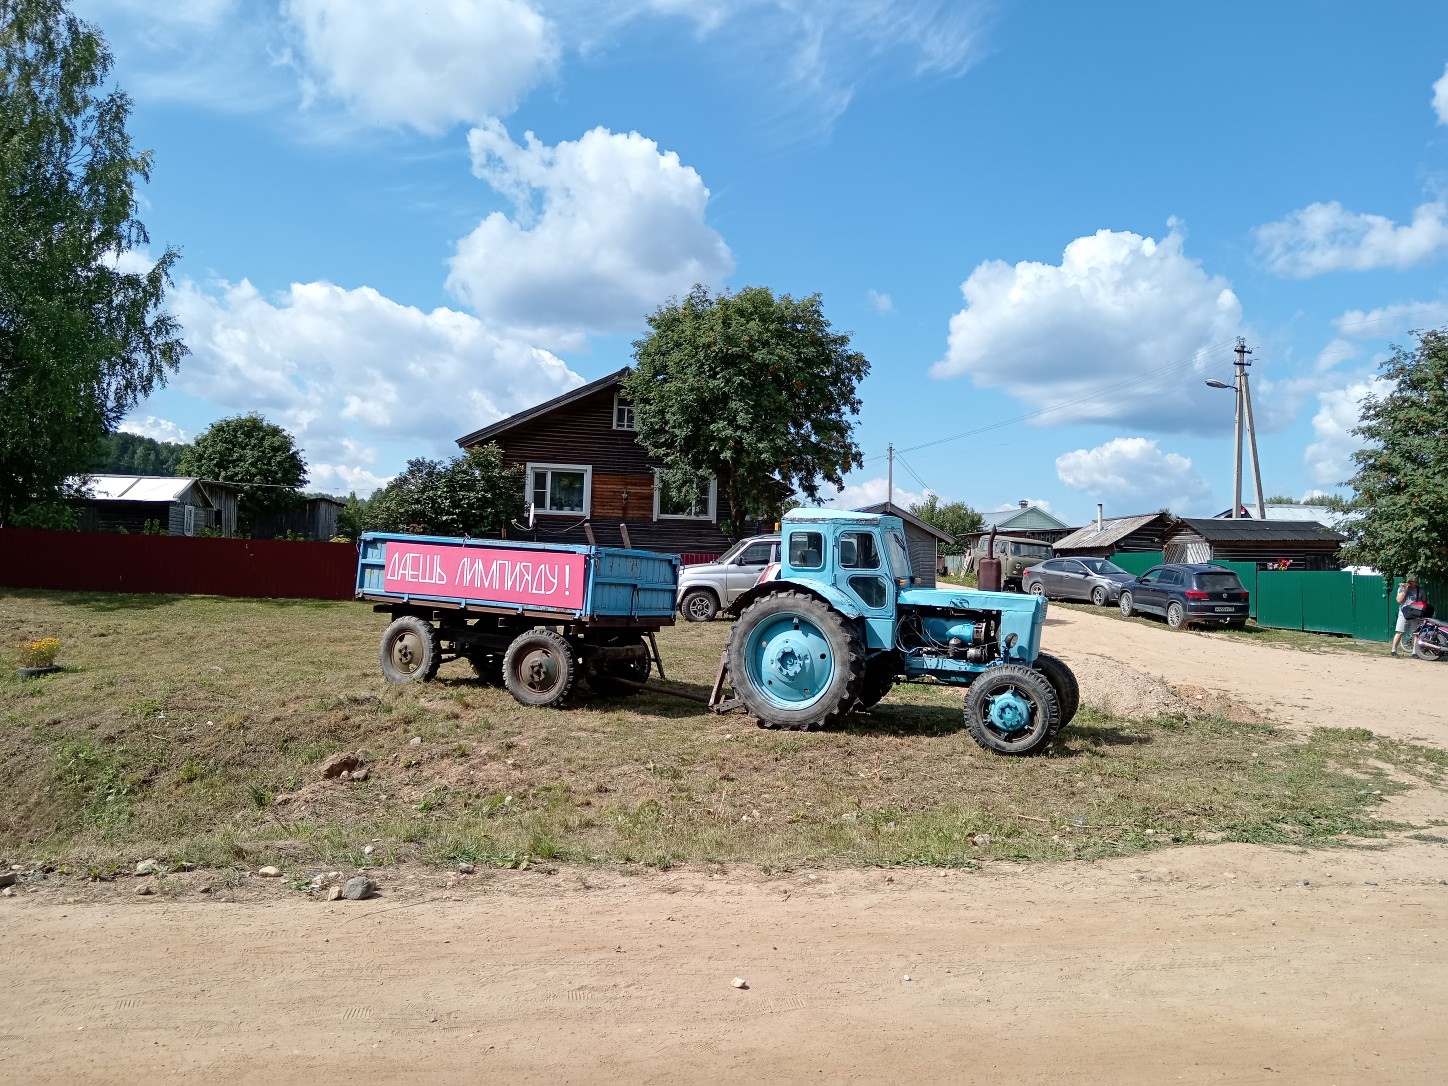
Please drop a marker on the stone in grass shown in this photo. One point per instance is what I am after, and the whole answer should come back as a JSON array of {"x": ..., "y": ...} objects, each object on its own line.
[
  {"x": 145, "y": 890},
  {"x": 149, "y": 867},
  {"x": 357, "y": 888},
  {"x": 269, "y": 872},
  {"x": 338, "y": 764},
  {"x": 466, "y": 868}
]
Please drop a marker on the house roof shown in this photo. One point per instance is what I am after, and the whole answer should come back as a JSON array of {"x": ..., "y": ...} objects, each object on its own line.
[
  {"x": 1283, "y": 511},
  {"x": 139, "y": 488},
  {"x": 891, "y": 509},
  {"x": 1017, "y": 518},
  {"x": 1245, "y": 531},
  {"x": 1111, "y": 531},
  {"x": 492, "y": 430}
]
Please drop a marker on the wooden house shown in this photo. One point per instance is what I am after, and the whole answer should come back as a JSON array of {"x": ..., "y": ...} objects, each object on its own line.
[
  {"x": 1103, "y": 538},
  {"x": 168, "y": 505},
  {"x": 1025, "y": 520},
  {"x": 585, "y": 469},
  {"x": 923, "y": 540},
  {"x": 1303, "y": 544}
]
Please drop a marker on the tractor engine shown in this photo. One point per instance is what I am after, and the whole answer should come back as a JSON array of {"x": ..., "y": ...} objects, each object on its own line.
[{"x": 958, "y": 634}]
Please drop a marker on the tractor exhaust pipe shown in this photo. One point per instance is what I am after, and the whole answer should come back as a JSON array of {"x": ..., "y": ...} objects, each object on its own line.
[{"x": 988, "y": 573}]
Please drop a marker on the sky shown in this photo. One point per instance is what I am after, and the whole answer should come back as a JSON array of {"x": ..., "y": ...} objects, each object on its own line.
[{"x": 1045, "y": 224}]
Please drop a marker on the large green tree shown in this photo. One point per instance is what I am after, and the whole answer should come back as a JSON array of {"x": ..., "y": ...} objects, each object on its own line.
[
  {"x": 956, "y": 518},
  {"x": 472, "y": 494},
  {"x": 82, "y": 339},
  {"x": 133, "y": 454},
  {"x": 256, "y": 455},
  {"x": 753, "y": 389},
  {"x": 1399, "y": 510}
]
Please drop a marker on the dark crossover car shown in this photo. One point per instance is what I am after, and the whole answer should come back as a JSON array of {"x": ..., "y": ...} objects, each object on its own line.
[
  {"x": 1093, "y": 579},
  {"x": 1184, "y": 593}
]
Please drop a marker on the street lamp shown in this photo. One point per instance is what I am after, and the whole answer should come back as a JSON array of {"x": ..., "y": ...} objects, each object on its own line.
[{"x": 1244, "y": 410}]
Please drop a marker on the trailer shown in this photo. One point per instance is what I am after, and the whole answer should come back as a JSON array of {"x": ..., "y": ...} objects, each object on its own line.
[{"x": 535, "y": 617}]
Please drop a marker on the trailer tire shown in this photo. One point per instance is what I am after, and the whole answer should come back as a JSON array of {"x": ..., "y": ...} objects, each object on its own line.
[
  {"x": 410, "y": 651},
  {"x": 1063, "y": 681},
  {"x": 539, "y": 668},
  {"x": 602, "y": 675},
  {"x": 1012, "y": 709},
  {"x": 879, "y": 679},
  {"x": 795, "y": 662}
]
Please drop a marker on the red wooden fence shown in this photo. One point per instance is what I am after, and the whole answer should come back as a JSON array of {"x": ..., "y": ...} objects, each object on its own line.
[{"x": 112, "y": 562}]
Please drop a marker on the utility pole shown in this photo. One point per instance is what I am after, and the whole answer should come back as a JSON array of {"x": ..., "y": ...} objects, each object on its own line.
[
  {"x": 1242, "y": 351},
  {"x": 890, "y": 475},
  {"x": 1237, "y": 432}
]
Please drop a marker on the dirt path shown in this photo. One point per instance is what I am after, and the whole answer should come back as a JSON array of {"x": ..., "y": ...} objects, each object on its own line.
[
  {"x": 1225, "y": 963},
  {"x": 1403, "y": 698}
]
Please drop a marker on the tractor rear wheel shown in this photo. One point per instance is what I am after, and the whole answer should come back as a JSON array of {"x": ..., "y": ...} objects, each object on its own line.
[
  {"x": 1063, "y": 681},
  {"x": 539, "y": 669},
  {"x": 1012, "y": 710},
  {"x": 795, "y": 662}
]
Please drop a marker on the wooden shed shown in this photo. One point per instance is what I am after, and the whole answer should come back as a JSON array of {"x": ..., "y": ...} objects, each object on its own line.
[
  {"x": 174, "y": 505},
  {"x": 1303, "y": 544},
  {"x": 313, "y": 517},
  {"x": 1146, "y": 532},
  {"x": 923, "y": 540}
]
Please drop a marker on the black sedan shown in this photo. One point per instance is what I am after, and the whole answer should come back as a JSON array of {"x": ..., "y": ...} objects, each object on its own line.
[
  {"x": 1184, "y": 593},
  {"x": 1093, "y": 579}
]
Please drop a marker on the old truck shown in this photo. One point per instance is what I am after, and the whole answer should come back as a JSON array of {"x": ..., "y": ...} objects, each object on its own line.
[
  {"x": 843, "y": 623},
  {"x": 535, "y": 617}
]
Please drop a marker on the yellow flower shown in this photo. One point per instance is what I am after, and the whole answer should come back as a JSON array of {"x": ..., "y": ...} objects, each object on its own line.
[{"x": 39, "y": 653}]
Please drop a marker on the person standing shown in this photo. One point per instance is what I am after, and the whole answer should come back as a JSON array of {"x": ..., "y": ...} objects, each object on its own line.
[{"x": 1408, "y": 592}]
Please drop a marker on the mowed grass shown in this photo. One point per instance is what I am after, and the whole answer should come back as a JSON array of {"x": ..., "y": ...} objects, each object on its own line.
[{"x": 178, "y": 721}]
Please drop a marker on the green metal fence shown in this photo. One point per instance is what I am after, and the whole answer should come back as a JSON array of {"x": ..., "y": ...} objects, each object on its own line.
[{"x": 1138, "y": 562}]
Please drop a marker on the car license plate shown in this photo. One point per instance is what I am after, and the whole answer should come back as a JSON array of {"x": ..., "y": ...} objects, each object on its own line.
[{"x": 1226, "y": 608}]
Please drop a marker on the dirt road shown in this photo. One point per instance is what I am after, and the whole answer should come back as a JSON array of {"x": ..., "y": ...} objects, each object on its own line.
[
  {"x": 1403, "y": 698},
  {"x": 1222, "y": 963}
]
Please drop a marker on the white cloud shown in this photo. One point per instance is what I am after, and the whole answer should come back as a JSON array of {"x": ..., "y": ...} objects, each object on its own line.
[
  {"x": 606, "y": 228},
  {"x": 345, "y": 369},
  {"x": 1132, "y": 475},
  {"x": 883, "y": 303},
  {"x": 1329, "y": 458},
  {"x": 871, "y": 491},
  {"x": 1326, "y": 237},
  {"x": 156, "y": 429},
  {"x": 344, "y": 479},
  {"x": 1388, "y": 320},
  {"x": 1123, "y": 329},
  {"x": 1440, "y": 97},
  {"x": 452, "y": 61}
]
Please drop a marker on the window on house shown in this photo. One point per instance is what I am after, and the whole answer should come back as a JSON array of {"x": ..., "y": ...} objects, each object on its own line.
[
  {"x": 698, "y": 502},
  {"x": 623, "y": 416},
  {"x": 559, "y": 488}
]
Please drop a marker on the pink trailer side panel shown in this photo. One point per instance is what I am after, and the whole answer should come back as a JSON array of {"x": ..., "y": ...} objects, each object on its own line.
[{"x": 487, "y": 574}]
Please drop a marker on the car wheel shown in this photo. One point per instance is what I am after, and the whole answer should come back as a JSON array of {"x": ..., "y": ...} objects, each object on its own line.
[
  {"x": 1125, "y": 604},
  {"x": 1098, "y": 596},
  {"x": 1037, "y": 588},
  {"x": 1176, "y": 616},
  {"x": 699, "y": 605}
]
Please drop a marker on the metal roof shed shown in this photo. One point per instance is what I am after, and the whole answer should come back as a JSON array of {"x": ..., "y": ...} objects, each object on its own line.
[{"x": 1305, "y": 544}]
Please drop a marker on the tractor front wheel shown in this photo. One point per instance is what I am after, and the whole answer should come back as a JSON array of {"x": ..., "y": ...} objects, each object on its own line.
[
  {"x": 1012, "y": 710},
  {"x": 795, "y": 662}
]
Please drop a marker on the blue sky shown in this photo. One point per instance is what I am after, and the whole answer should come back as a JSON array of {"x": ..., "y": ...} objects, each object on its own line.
[{"x": 1045, "y": 224}]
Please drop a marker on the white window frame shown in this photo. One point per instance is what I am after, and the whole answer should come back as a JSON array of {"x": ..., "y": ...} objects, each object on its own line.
[
  {"x": 585, "y": 469},
  {"x": 620, "y": 401},
  {"x": 713, "y": 502}
]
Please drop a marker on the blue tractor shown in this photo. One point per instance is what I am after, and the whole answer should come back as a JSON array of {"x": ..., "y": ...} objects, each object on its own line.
[{"x": 843, "y": 623}]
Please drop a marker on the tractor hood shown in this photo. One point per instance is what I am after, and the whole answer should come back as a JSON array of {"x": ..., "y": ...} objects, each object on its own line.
[{"x": 1020, "y": 614}]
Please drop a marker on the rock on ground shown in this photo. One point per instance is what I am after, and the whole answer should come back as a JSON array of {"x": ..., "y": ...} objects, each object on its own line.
[
  {"x": 357, "y": 888},
  {"x": 338, "y": 764}
]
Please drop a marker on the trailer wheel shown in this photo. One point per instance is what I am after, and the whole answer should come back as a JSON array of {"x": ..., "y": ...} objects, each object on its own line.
[
  {"x": 1063, "y": 681},
  {"x": 539, "y": 669},
  {"x": 487, "y": 666},
  {"x": 601, "y": 677},
  {"x": 795, "y": 662},
  {"x": 879, "y": 679},
  {"x": 1012, "y": 710},
  {"x": 410, "y": 652}
]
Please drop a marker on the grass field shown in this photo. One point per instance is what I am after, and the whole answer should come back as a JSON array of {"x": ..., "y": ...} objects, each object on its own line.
[{"x": 177, "y": 722}]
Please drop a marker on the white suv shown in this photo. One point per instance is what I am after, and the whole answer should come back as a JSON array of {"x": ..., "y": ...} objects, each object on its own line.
[{"x": 704, "y": 590}]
